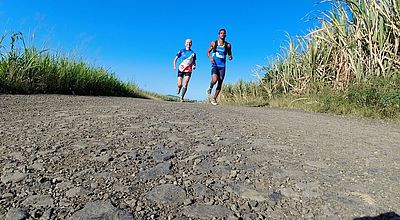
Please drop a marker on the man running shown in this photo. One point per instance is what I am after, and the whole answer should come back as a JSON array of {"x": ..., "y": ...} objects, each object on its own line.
[
  {"x": 187, "y": 64},
  {"x": 217, "y": 54}
]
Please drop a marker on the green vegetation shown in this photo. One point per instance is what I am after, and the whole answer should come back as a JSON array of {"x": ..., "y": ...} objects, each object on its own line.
[
  {"x": 349, "y": 65},
  {"x": 243, "y": 93},
  {"x": 26, "y": 70}
]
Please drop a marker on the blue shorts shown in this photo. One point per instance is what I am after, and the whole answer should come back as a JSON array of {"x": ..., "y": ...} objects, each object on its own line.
[
  {"x": 182, "y": 74},
  {"x": 220, "y": 71}
]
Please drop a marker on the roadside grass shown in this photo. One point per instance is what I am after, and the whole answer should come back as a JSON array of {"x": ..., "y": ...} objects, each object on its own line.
[
  {"x": 372, "y": 99},
  {"x": 379, "y": 95},
  {"x": 335, "y": 103},
  {"x": 27, "y": 70},
  {"x": 244, "y": 94}
]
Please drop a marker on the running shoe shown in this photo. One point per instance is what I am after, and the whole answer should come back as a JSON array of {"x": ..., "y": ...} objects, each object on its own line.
[{"x": 213, "y": 101}]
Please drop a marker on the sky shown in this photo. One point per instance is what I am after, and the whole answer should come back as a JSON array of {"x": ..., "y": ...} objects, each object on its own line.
[{"x": 138, "y": 40}]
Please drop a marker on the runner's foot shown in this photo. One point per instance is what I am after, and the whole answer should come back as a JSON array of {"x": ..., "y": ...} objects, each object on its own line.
[
  {"x": 213, "y": 101},
  {"x": 178, "y": 90}
]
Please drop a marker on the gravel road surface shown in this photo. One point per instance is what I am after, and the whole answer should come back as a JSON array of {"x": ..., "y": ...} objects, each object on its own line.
[{"x": 72, "y": 157}]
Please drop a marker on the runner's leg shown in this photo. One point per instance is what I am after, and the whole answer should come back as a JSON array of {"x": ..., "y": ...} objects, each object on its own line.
[
  {"x": 185, "y": 85},
  {"x": 218, "y": 89},
  {"x": 179, "y": 85},
  {"x": 220, "y": 79},
  {"x": 214, "y": 79}
]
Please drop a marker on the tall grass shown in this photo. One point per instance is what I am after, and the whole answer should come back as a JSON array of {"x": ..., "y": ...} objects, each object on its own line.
[
  {"x": 27, "y": 70},
  {"x": 357, "y": 44},
  {"x": 357, "y": 40}
]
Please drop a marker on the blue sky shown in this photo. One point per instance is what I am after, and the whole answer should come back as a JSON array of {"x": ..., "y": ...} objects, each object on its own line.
[{"x": 138, "y": 40}]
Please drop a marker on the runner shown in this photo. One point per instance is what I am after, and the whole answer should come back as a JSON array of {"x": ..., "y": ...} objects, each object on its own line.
[
  {"x": 187, "y": 63},
  {"x": 217, "y": 54}
]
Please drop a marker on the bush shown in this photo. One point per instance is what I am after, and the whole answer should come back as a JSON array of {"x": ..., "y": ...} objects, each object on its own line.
[{"x": 383, "y": 95}]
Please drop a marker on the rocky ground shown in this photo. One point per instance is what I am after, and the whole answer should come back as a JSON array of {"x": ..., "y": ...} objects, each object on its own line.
[{"x": 71, "y": 157}]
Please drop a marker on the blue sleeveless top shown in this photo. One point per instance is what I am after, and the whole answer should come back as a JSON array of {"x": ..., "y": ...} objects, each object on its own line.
[{"x": 220, "y": 55}]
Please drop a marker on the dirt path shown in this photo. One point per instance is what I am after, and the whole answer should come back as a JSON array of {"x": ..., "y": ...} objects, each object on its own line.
[{"x": 98, "y": 157}]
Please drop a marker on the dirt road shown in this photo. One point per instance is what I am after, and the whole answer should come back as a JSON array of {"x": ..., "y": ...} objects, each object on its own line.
[{"x": 122, "y": 158}]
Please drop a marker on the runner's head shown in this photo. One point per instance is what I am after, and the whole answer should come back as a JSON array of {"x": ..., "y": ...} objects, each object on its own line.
[
  {"x": 188, "y": 43},
  {"x": 222, "y": 34}
]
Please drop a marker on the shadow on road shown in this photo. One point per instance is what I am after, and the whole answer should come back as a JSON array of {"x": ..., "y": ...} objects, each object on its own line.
[{"x": 384, "y": 216}]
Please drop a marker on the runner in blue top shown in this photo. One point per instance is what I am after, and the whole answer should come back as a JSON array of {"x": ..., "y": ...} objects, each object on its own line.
[
  {"x": 187, "y": 63},
  {"x": 217, "y": 53}
]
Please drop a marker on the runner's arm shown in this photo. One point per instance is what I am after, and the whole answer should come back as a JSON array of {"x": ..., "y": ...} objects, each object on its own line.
[
  {"x": 174, "y": 64},
  {"x": 194, "y": 63},
  {"x": 229, "y": 47},
  {"x": 211, "y": 48}
]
